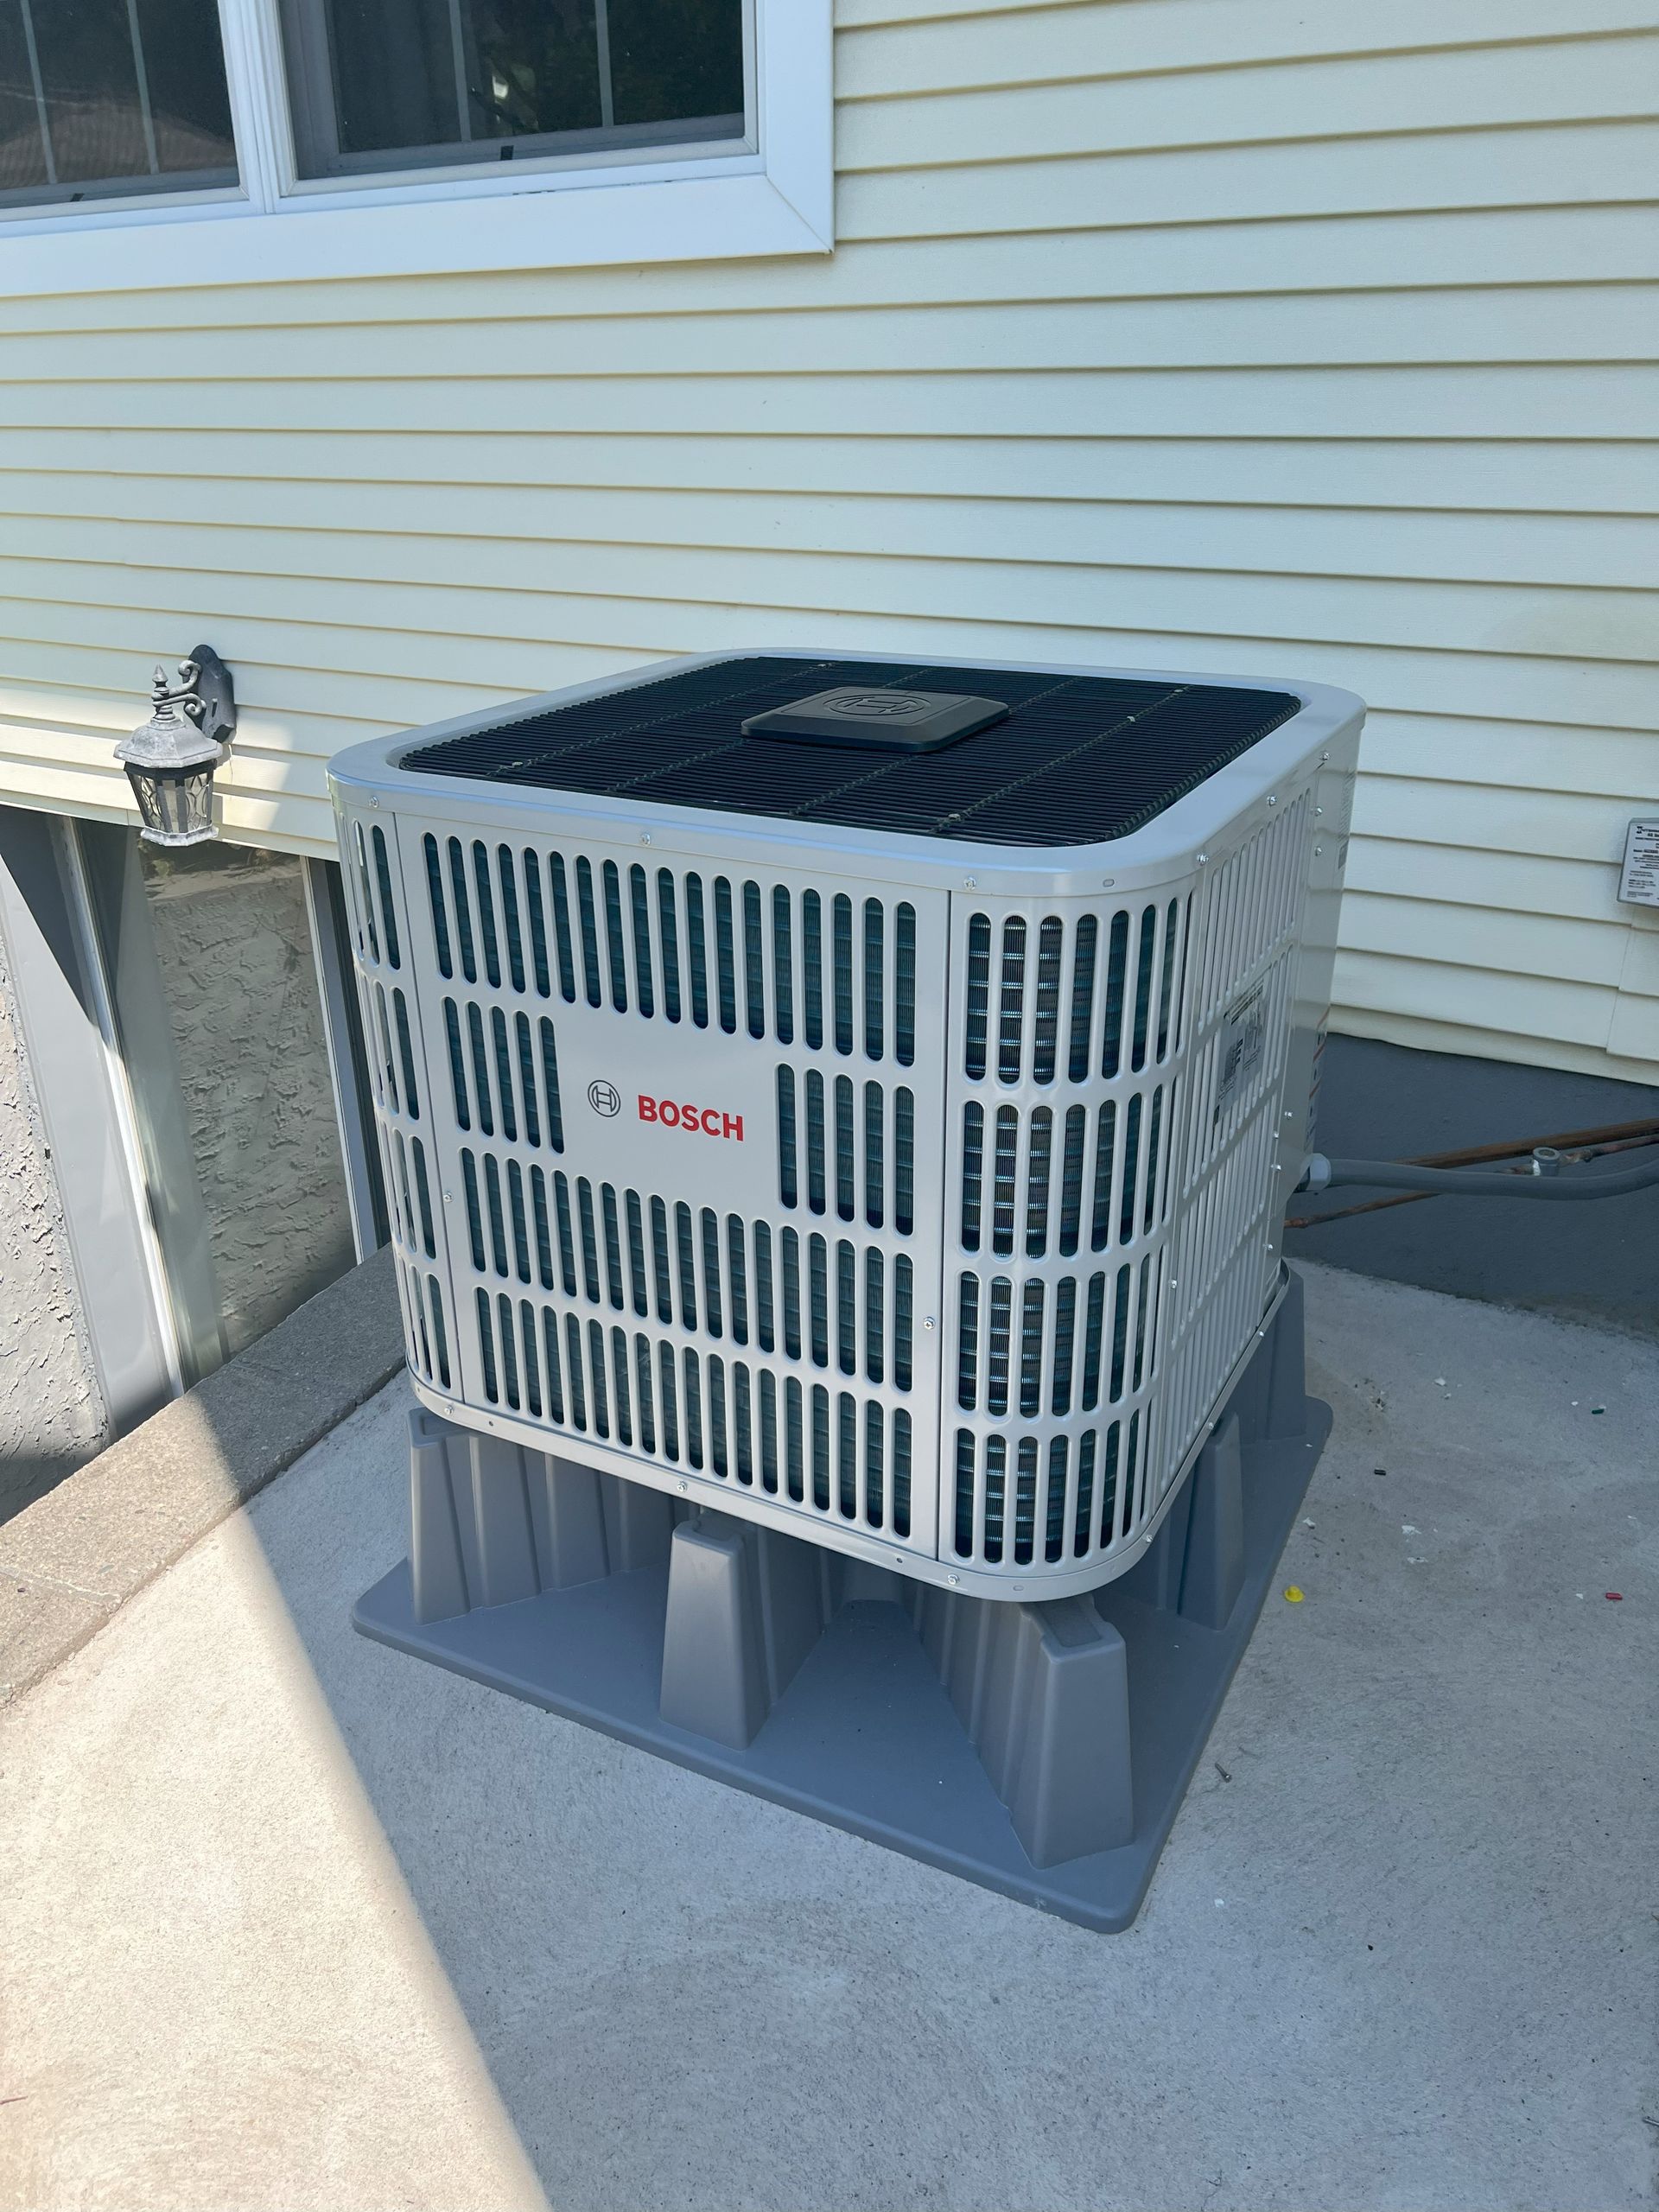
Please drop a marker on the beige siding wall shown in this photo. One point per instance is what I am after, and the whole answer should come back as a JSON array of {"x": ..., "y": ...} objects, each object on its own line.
[{"x": 1239, "y": 334}]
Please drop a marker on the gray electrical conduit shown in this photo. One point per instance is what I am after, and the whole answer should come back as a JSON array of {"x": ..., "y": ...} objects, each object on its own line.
[{"x": 1545, "y": 1182}]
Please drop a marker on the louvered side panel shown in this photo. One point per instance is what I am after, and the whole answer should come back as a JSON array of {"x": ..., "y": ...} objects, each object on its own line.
[
  {"x": 1250, "y": 917},
  {"x": 1111, "y": 1178},
  {"x": 678, "y": 1111},
  {"x": 1068, "y": 1054},
  {"x": 718, "y": 951},
  {"x": 378, "y": 914}
]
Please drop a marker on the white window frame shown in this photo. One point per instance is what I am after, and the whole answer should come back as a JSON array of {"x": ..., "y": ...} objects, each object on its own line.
[{"x": 773, "y": 194}]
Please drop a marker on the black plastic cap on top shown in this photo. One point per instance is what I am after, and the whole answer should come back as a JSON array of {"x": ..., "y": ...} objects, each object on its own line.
[{"x": 882, "y": 720}]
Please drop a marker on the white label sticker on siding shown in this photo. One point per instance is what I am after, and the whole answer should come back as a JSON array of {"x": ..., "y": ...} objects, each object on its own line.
[
  {"x": 1244, "y": 1032},
  {"x": 1639, "y": 884}
]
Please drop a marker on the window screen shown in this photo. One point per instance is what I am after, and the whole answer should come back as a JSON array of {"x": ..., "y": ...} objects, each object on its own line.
[
  {"x": 102, "y": 97},
  {"x": 382, "y": 85}
]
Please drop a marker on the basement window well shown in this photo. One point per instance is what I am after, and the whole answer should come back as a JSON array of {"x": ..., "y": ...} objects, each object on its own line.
[{"x": 214, "y": 993}]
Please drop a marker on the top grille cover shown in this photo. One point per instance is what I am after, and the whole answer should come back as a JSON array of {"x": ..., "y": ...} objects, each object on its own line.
[
  {"x": 916, "y": 1200},
  {"x": 1079, "y": 758}
]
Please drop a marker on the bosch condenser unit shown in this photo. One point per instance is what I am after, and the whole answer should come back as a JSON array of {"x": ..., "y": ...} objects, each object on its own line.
[{"x": 856, "y": 1095}]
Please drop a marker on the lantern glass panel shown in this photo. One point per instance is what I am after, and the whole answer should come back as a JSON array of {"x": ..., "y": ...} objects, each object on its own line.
[{"x": 177, "y": 809}]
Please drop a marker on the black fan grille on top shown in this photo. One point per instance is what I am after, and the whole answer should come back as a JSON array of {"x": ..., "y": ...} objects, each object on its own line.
[{"x": 1081, "y": 758}]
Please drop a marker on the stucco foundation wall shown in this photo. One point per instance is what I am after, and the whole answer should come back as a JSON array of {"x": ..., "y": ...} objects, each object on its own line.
[
  {"x": 234, "y": 949},
  {"x": 52, "y": 1412}
]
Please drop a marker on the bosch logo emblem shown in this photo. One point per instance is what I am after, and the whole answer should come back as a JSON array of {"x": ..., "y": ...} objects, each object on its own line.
[
  {"x": 605, "y": 1098},
  {"x": 695, "y": 1121},
  {"x": 885, "y": 706}
]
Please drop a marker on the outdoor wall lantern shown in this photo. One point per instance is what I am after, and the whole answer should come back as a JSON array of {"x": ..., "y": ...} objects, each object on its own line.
[{"x": 170, "y": 761}]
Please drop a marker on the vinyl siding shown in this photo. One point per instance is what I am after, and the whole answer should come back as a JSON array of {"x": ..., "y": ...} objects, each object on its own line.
[{"x": 1233, "y": 335}]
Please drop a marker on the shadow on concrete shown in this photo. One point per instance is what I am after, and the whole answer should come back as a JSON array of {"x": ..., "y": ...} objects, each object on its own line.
[{"x": 27, "y": 1476}]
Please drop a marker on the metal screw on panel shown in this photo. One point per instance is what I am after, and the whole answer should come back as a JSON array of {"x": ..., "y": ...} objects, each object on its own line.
[
  {"x": 1271, "y": 800},
  {"x": 645, "y": 836},
  {"x": 929, "y": 1323},
  {"x": 1318, "y": 810},
  {"x": 971, "y": 882},
  {"x": 1269, "y": 1248},
  {"x": 1290, "y": 1113},
  {"x": 449, "y": 1197},
  {"x": 1318, "y": 849},
  {"x": 1203, "y": 859},
  {"x": 951, "y": 1580},
  {"x": 374, "y": 798},
  {"x": 686, "y": 1486}
]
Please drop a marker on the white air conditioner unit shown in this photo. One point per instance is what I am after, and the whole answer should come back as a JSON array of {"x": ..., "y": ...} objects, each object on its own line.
[
  {"x": 891, "y": 1145},
  {"x": 859, "y": 1096}
]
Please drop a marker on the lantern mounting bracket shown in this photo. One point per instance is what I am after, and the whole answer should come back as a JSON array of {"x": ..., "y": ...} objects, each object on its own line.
[{"x": 207, "y": 694}]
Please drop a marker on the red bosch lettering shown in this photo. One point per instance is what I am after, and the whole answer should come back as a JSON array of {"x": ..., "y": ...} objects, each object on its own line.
[{"x": 695, "y": 1121}]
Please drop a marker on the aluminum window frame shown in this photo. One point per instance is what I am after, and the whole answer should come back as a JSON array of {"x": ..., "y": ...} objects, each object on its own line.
[
  {"x": 87, "y": 1108},
  {"x": 770, "y": 193}
]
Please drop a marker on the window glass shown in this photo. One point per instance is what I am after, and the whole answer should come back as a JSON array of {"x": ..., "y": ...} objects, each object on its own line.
[
  {"x": 208, "y": 949},
  {"x": 102, "y": 97},
  {"x": 378, "y": 85},
  {"x": 674, "y": 57}
]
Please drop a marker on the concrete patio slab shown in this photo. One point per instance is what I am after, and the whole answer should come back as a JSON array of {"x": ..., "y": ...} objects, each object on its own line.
[{"x": 291, "y": 1920}]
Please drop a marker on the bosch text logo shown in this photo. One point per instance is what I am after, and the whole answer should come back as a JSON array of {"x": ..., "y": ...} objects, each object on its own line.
[{"x": 697, "y": 1121}]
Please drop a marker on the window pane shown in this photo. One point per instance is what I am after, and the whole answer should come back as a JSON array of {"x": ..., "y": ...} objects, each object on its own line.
[
  {"x": 101, "y": 96},
  {"x": 378, "y": 85},
  {"x": 394, "y": 73},
  {"x": 675, "y": 57},
  {"x": 189, "y": 101},
  {"x": 208, "y": 949},
  {"x": 533, "y": 66},
  {"x": 23, "y": 148}
]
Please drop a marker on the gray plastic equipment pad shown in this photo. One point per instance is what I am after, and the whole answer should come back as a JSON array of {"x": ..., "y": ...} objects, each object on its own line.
[{"x": 1042, "y": 1750}]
